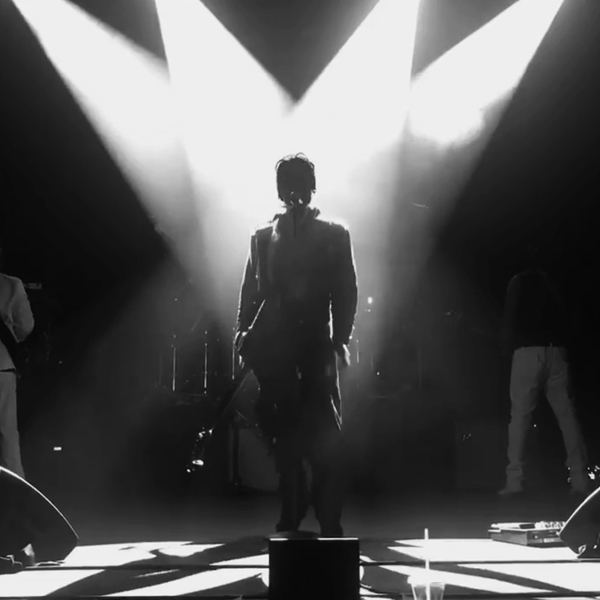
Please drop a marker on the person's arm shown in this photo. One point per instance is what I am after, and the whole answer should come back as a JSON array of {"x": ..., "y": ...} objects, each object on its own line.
[
  {"x": 21, "y": 315},
  {"x": 344, "y": 295},
  {"x": 508, "y": 326},
  {"x": 248, "y": 300}
]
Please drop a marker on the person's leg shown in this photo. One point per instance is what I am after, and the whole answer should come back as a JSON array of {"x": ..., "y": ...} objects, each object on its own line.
[
  {"x": 524, "y": 389},
  {"x": 10, "y": 448},
  {"x": 10, "y": 444},
  {"x": 559, "y": 398},
  {"x": 327, "y": 489},
  {"x": 293, "y": 488},
  {"x": 277, "y": 415},
  {"x": 322, "y": 431}
]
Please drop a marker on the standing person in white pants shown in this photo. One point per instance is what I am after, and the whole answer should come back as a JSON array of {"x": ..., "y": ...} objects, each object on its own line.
[{"x": 536, "y": 329}]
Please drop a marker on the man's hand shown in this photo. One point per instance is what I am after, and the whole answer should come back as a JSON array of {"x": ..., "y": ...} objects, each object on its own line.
[
  {"x": 241, "y": 343},
  {"x": 343, "y": 354}
]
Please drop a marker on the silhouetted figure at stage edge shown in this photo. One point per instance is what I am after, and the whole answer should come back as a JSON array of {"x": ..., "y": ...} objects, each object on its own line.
[
  {"x": 537, "y": 328},
  {"x": 16, "y": 325},
  {"x": 303, "y": 268}
]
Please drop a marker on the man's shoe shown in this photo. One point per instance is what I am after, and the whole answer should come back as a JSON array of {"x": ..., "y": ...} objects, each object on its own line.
[
  {"x": 26, "y": 556},
  {"x": 511, "y": 490}
]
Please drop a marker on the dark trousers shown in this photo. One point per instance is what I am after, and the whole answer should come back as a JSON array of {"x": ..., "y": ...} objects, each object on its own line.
[
  {"x": 10, "y": 449},
  {"x": 296, "y": 409}
]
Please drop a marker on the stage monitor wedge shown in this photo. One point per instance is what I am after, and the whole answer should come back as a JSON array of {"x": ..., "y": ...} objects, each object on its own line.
[
  {"x": 580, "y": 533},
  {"x": 28, "y": 517}
]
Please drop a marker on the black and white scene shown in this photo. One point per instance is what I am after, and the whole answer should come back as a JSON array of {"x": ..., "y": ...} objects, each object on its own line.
[{"x": 298, "y": 299}]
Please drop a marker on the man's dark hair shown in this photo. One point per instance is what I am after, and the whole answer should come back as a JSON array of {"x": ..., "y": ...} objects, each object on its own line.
[{"x": 296, "y": 173}]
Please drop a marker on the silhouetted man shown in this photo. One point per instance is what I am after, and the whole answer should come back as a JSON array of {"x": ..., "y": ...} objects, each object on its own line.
[
  {"x": 302, "y": 268},
  {"x": 15, "y": 326},
  {"x": 536, "y": 329}
]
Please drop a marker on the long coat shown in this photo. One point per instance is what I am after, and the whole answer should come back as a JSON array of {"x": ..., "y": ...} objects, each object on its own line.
[{"x": 302, "y": 268}]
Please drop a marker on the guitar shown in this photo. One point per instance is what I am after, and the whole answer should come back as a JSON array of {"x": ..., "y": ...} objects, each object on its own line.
[{"x": 204, "y": 436}]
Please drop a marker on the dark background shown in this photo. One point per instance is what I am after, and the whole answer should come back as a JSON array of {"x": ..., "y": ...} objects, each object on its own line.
[{"x": 70, "y": 221}]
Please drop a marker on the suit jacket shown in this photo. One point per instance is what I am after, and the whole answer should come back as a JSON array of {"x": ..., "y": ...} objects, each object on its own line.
[
  {"x": 303, "y": 266},
  {"x": 15, "y": 311}
]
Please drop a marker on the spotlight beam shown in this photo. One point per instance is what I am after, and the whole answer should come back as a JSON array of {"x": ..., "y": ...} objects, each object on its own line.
[
  {"x": 229, "y": 112},
  {"x": 455, "y": 107},
  {"x": 355, "y": 112},
  {"x": 125, "y": 92}
]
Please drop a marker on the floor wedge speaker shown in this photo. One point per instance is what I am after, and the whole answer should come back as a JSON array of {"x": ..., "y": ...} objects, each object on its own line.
[
  {"x": 28, "y": 517},
  {"x": 581, "y": 531}
]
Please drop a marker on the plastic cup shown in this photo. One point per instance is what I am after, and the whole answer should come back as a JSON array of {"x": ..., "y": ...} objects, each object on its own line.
[{"x": 419, "y": 588}]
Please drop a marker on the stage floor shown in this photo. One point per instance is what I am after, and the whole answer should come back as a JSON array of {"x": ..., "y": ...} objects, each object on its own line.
[{"x": 165, "y": 548}]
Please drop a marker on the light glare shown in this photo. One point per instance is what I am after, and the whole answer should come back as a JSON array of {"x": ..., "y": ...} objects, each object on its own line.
[
  {"x": 455, "y": 107},
  {"x": 450, "y": 100},
  {"x": 355, "y": 111},
  {"x": 125, "y": 93},
  {"x": 229, "y": 108},
  {"x": 229, "y": 112}
]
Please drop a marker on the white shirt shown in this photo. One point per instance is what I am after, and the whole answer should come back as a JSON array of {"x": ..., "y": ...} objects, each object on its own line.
[{"x": 15, "y": 311}]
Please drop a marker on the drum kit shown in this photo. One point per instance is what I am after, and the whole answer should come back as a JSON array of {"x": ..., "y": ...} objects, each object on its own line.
[{"x": 199, "y": 364}]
